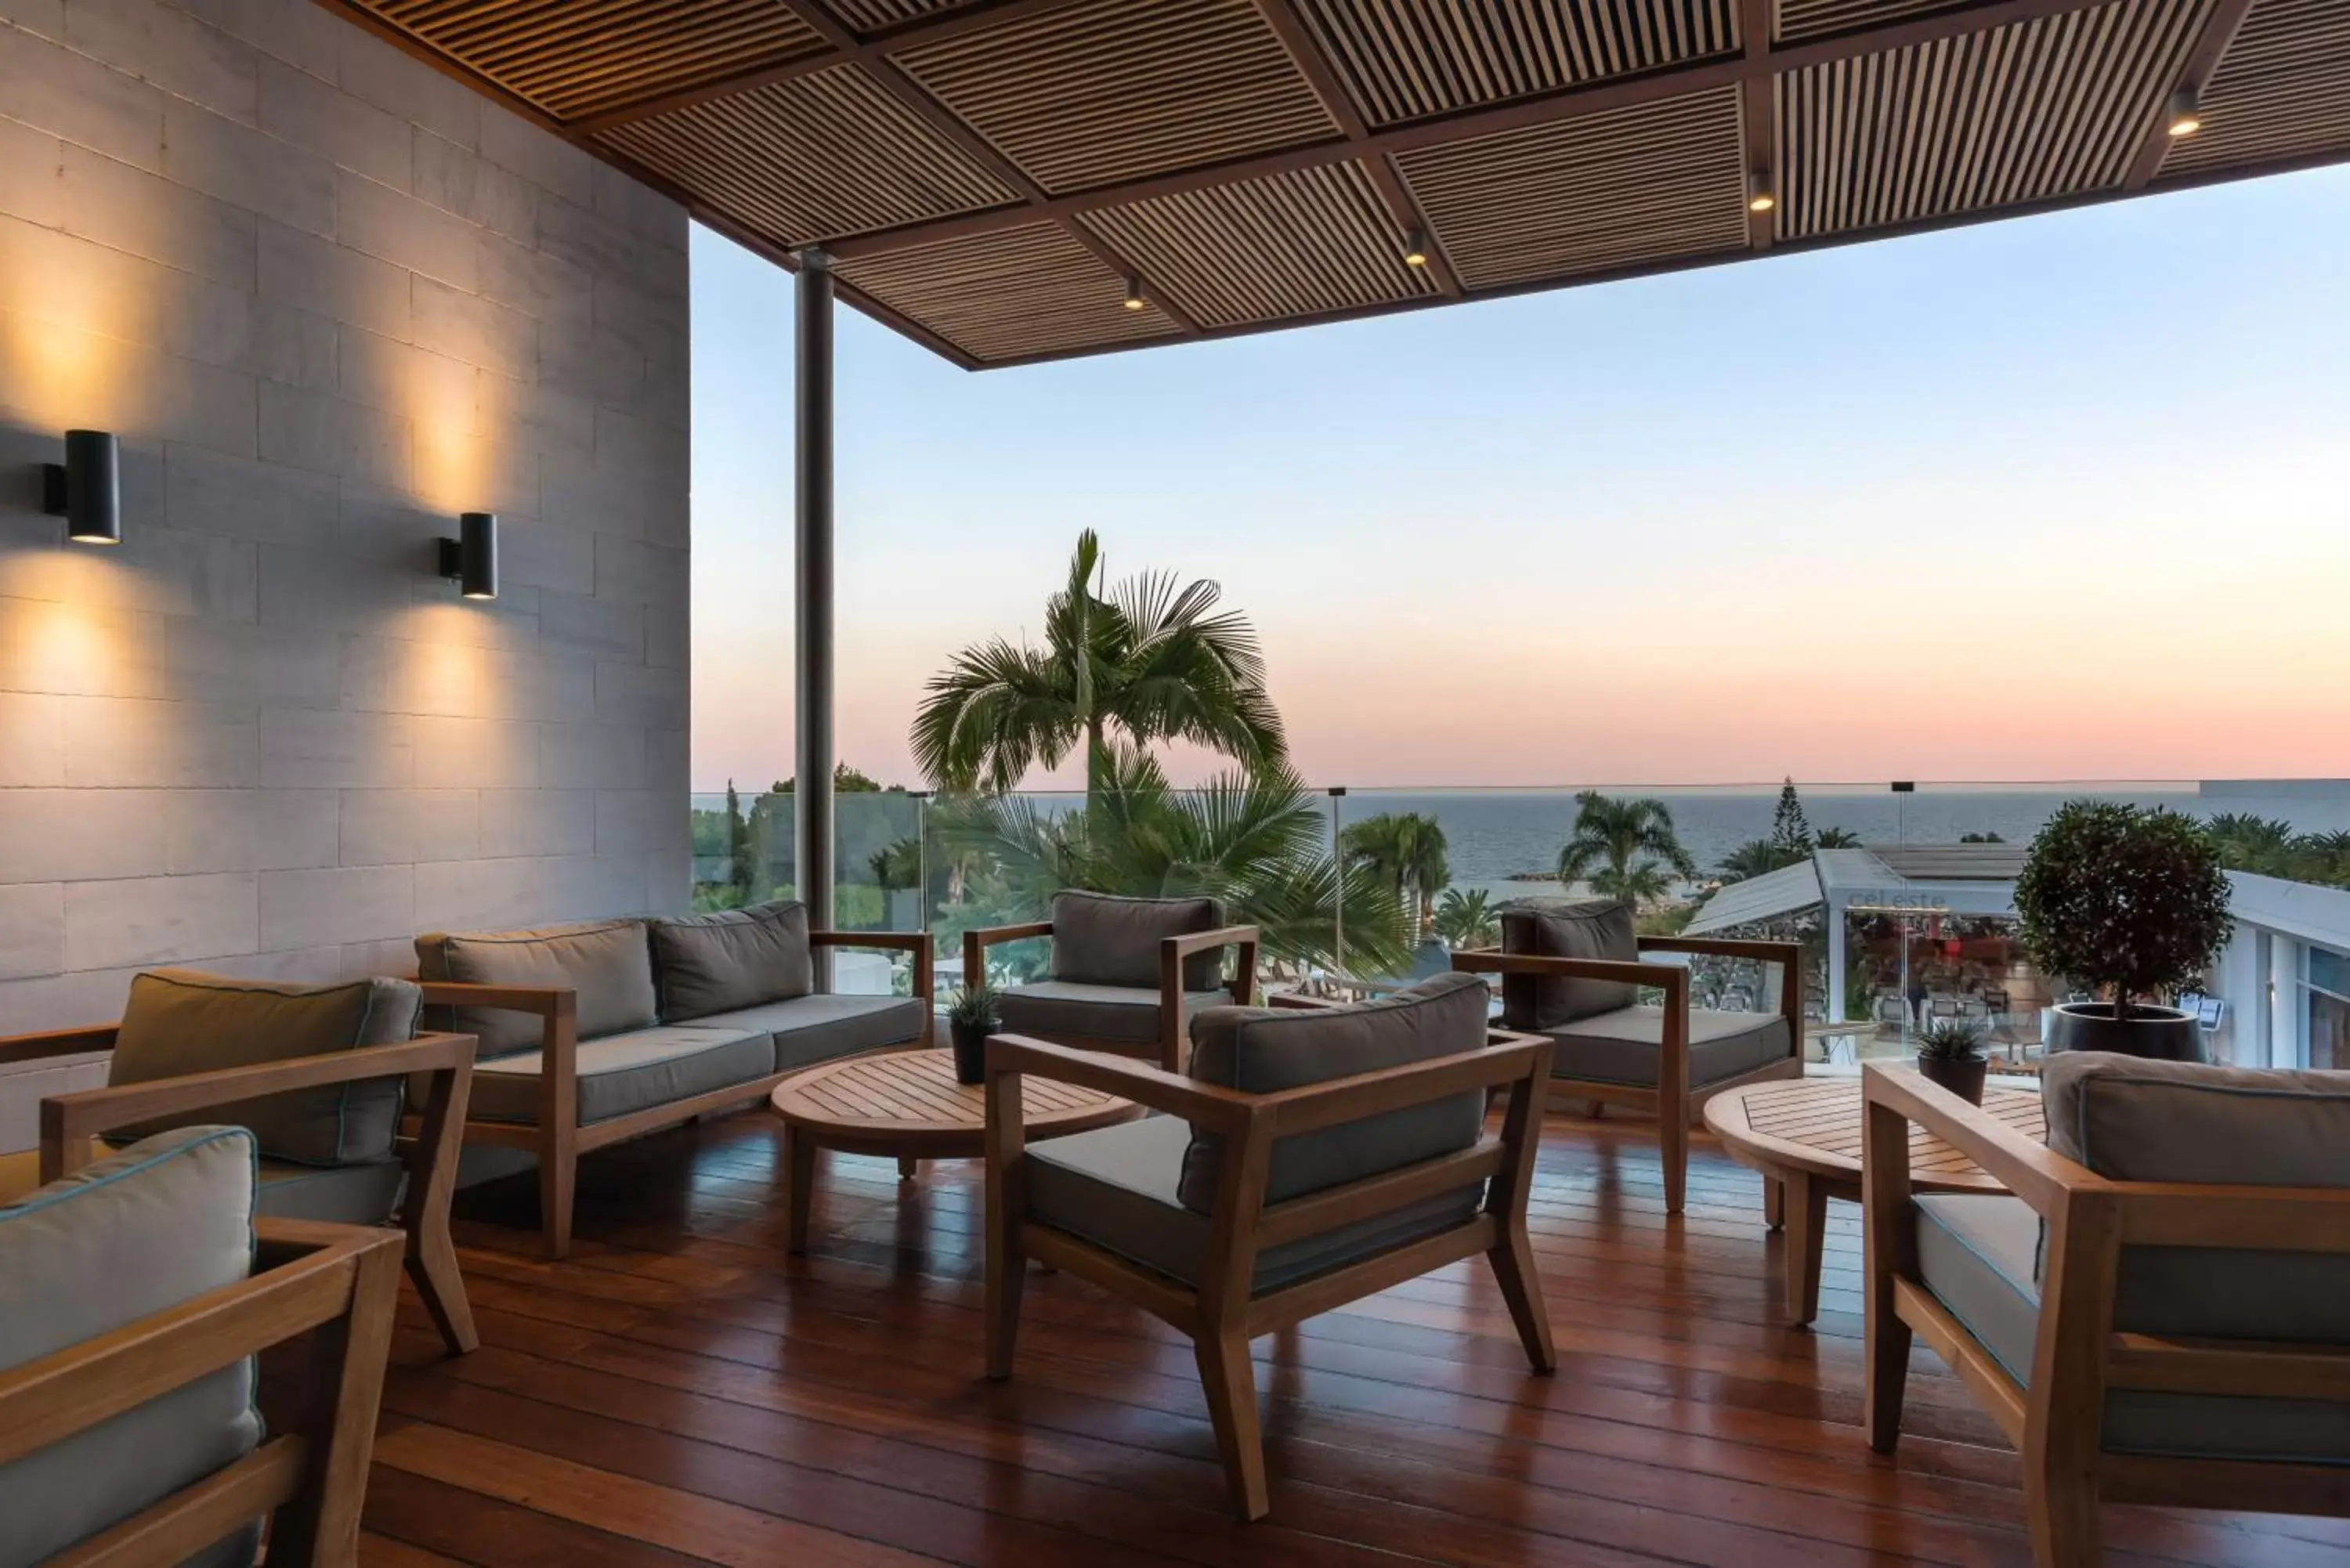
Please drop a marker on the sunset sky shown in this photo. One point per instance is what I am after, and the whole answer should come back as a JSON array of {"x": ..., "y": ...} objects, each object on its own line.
[{"x": 2060, "y": 498}]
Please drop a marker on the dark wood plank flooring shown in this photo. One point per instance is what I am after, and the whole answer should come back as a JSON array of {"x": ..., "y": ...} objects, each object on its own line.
[{"x": 681, "y": 1391}]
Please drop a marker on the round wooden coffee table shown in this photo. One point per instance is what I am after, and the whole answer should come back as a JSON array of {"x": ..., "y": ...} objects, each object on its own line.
[
  {"x": 1805, "y": 1136},
  {"x": 908, "y": 1103}
]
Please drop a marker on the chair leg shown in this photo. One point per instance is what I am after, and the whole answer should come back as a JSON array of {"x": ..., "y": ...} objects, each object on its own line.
[
  {"x": 1514, "y": 1271},
  {"x": 1673, "y": 1141},
  {"x": 2062, "y": 1512},
  {"x": 1888, "y": 1363},
  {"x": 1007, "y": 1275},
  {"x": 1807, "y": 1221},
  {"x": 432, "y": 1268},
  {"x": 1230, "y": 1380},
  {"x": 558, "y": 1175}
]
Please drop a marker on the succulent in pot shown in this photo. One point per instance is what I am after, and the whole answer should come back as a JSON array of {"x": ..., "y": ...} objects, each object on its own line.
[
  {"x": 972, "y": 1017},
  {"x": 2132, "y": 904},
  {"x": 1949, "y": 1053}
]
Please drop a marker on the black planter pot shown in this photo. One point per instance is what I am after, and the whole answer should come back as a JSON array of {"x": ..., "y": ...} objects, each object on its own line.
[
  {"x": 2161, "y": 1033},
  {"x": 1962, "y": 1075},
  {"x": 971, "y": 1050}
]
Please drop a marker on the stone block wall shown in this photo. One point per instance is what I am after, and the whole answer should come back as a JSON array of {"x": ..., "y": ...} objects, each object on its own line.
[{"x": 328, "y": 299}]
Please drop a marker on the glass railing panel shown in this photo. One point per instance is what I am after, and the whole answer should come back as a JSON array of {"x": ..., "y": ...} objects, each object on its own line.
[{"x": 742, "y": 849}]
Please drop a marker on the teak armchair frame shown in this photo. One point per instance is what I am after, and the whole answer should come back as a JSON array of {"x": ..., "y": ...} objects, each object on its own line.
[
  {"x": 1172, "y": 951},
  {"x": 1222, "y": 1313},
  {"x": 558, "y": 1138},
  {"x": 342, "y": 1281},
  {"x": 1672, "y": 1100},
  {"x": 429, "y": 1144},
  {"x": 2057, "y": 1422}
]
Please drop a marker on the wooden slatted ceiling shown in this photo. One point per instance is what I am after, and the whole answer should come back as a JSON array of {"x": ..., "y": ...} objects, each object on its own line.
[
  {"x": 1408, "y": 59},
  {"x": 2282, "y": 91},
  {"x": 1009, "y": 295},
  {"x": 1265, "y": 250},
  {"x": 576, "y": 57},
  {"x": 1820, "y": 18},
  {"x": 811, "y": 159},
  {"x": 1589, "y": 195},
  {"x": 2040, "y": 110},
  {"x": 872, "y": 16},
  {"x": 1119, "y": 89}
]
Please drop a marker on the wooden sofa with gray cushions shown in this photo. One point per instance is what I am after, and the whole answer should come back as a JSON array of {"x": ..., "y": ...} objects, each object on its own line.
[
  {"x": 320, "y": 1073},
  {"x": 1573, "y": 971},
  {"x": 135, "y": 1296},
  {"x": 594, "y": 1032},
  {"x": 1313, "y": 1154},
  {"x": 2160, "y": 1313}
]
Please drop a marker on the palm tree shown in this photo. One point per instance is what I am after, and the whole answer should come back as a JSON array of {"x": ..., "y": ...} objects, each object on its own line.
[
  {"x": 1756, "y": 857},
  {"x": 1141, "y": 660},
  {"x": 1254, "y": 840},
  {"x": 1625, "y": 848},
  {"x": 1466, "y": 920},
  {"x": 1404, "y": 849},
  {"x": 2248, "y": 843},
  {"x": 1837, "y": 838}
]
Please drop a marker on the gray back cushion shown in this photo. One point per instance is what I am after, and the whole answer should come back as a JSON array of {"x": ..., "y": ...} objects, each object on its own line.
[
  {"x": 608, "y": 962},
  {"x": 736, "y": 958},
  {"x": 1261, "y": 1050},
  {"x": 1565, "y": 928},
  {"x": 179, "y": 1022},
  {"x": 2130, "y": 1119},
  {"x": 167, "y": 1219},
  {"x": 1099, "y": 938}
]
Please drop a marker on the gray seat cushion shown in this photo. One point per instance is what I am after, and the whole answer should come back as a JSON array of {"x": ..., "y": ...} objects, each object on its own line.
[
  {"x": 1099, "y": 938},
  {"x": 167, "y": 1219},
  {"x": 608, "y": 963},
  {"x": 1570, "y": 929},
  {"x": 1069, "y": 1009},
  {"x": 179, "y": 1022},
  {"x": 632, "y": 1072},
  {"x": 705, "y": 965},
  {"x": 1623, "y": 1046},
  {"x": 1262, "y": 1051},
  {"x": 342, "y": 1194},
  {"x": 1977, "y": 1255},
  {"x": 1116, "y": 1187},
  {"x": 819, "y": 1027}
]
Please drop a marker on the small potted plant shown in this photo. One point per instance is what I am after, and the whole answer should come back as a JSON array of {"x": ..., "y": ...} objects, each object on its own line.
[
  {"x": 1949, "y": 1053},
  {"x": 970, "y": 1019},
  {"x": 2131, "y": 904}
]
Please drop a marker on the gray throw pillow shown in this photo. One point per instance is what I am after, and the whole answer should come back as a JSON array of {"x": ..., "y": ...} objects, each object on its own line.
[
  {"x": 1100, "y": 939},
  {"x": 608, "y": 962},
  {"x": 1565, "y": 928},
  {"x": 167, "y": 1219},
  {"x": 734, "y": 958},
  {"x": 179, "y": 1022},
  {"x": 1263, "y": 1050}
]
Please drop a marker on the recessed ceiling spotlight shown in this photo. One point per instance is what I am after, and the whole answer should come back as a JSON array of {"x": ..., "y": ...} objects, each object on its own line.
[
  {"x": 2186, "y": 115},
  {"x": 1134, "y": 294}
]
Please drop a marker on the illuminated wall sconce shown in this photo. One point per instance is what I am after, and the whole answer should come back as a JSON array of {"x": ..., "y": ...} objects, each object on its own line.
[
  {"x": 86, "y": 489},
  {"x": 470, "y": 560}
]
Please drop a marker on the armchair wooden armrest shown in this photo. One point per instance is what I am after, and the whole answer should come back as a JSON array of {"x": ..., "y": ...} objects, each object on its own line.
[
  {"x": 1670, "y": 978},
  {"x": 310, "y": 1480},
  {"x": 1009, "y": 1056},
  {"x": 1173, "y": 951},
  {"x": 1789, "y": 953},
  {"x": 975, "y": 944},
  {"x": 58, "y": 1042},
  {"x": 915, "y": 942},
  {"x": 2032, "y": 1171},
  {"x": 547, "y": 1000}
]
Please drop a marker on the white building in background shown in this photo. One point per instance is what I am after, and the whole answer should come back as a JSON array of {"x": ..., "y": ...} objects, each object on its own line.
[{"x": 2285, "y": 977}]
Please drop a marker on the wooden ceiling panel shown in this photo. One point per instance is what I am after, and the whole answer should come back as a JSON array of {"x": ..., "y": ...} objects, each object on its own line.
[
  {"x": 2282, "y": 91},
  {"x": 811, "y": 159},
  {"x": 872, "y": 16},
  {"x": 1089, "y": 95},
  {"x": 1009, "y": 295},
  {"x": 1822, "y": 18},
  {"x": 1593, "y": 195},
  {"x": 2040, "y": 110},
  {"x": 572, "y": 58},
  {"x": 1403, "y": 60},
  {"x": 1287, "y": 246}
]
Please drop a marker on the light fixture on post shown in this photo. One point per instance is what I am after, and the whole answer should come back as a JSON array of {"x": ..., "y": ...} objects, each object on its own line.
[
  {"x": 470, "y": 560},
  {"x": 1760, "y": 197},
  {"x": 1415, "y": 248},
  {"x": 86, "y": 489},
  {"x": 1134, "y": 294},
  {"x": 2185, "y": 114}
]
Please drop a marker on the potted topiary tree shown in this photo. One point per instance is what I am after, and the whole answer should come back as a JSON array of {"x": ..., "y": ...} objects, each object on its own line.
[
  {"x": 970, "y": 1019},
  {"x": 2131, "y": 904},
  {"x": 1949, "y": 1053}
]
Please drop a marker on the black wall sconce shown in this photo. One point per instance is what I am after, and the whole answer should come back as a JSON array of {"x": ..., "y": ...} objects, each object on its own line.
[
  {"x": 86, "y": 489},
  {"x": 472, "y": 558}
]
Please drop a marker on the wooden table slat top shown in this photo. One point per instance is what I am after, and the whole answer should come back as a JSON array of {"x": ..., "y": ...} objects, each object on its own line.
[
  {"x": 913, "y": 1095},
  {"x": 1815, "y": 1124}
]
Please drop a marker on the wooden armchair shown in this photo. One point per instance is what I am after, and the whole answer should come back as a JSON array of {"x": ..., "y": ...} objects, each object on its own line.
[
  {"x": 2185, "y": 1344},
  {"x": 1664, "y": 1062},
  {"x": 71, "y": 1125},
  {"x": 1249, "y": 1266},
  {"x": 1135, "y": 990}
]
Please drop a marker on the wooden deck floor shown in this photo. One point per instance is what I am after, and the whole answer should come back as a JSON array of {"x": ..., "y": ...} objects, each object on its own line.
[{"x": 679, "y": 1391}]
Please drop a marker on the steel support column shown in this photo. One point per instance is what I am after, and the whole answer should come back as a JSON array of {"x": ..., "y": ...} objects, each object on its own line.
[{"x": 811, "y": 820}]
